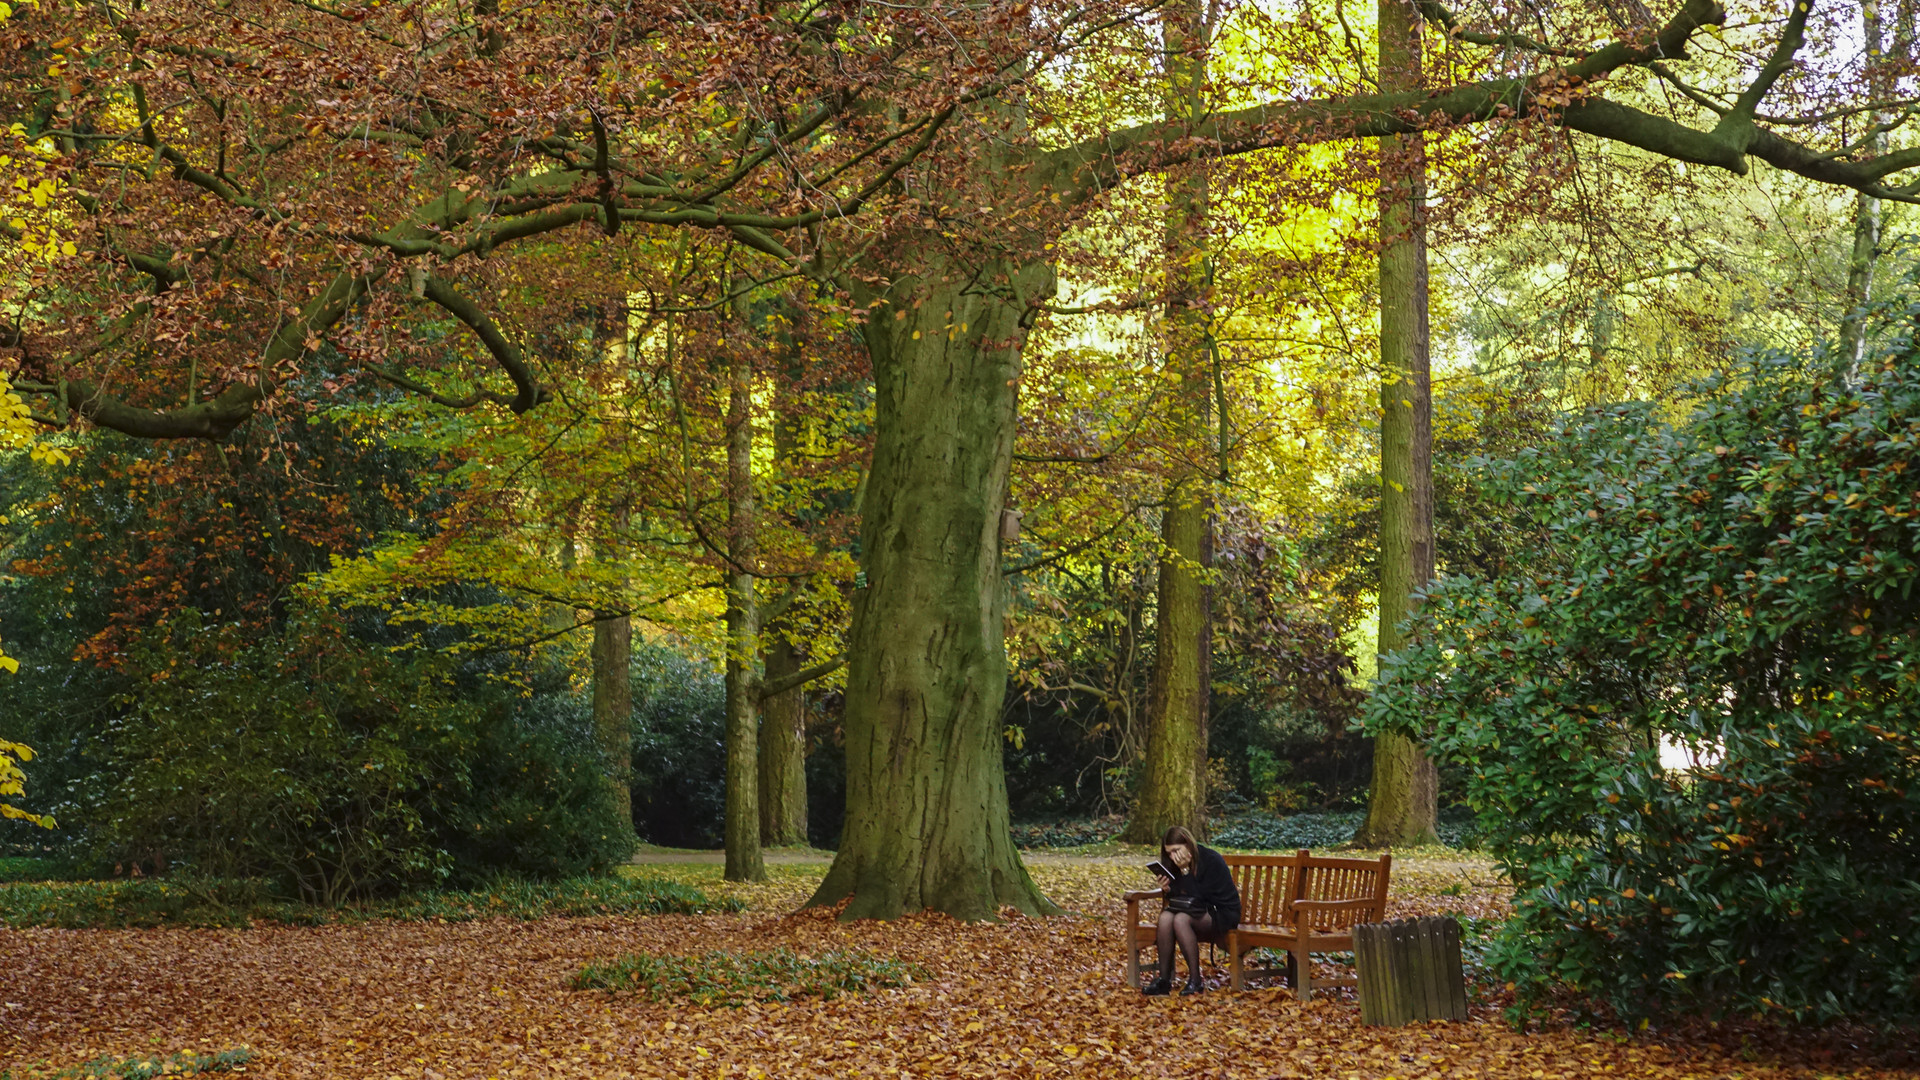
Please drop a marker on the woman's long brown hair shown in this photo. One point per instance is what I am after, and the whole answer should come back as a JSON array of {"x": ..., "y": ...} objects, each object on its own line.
[{"x": 1179, "y": 835}]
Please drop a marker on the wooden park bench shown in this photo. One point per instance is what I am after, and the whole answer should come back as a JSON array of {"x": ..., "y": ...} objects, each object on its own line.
[{"x": 1299, "y": 904}]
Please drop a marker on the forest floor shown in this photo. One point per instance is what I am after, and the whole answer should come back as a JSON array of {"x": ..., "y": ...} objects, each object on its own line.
[{"x": 1026, "y": 997}]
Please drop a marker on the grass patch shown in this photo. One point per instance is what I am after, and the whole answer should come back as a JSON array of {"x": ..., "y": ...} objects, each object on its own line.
[
  {"x": 147, "y": 1068},
  {"x": 569, "y": 898},
  {"x": 186, "y": 901},
  {"x": 785, "y": 889},
  {"x": 735, "y": 979}
]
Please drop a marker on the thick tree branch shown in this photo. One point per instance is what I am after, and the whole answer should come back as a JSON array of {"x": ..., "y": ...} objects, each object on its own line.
[
  {"x": 504, "y": 352},
  {"x": 218, "y": 416},
  {"x": 1099, "y": 164},
  {"x": 1737, "y": 126},
  {"x": 1624, "y": 124},
  {"x": 1866, "y": 176},
  {"x": 1084, "y": 170},
  {"x": 801, "y": 678}
]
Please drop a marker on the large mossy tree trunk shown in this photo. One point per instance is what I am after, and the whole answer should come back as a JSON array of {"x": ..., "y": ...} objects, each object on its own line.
[
  {"x": 1172, "y": 785},
  {"x": 1403, "y": 800},
  {"x": 744, "y": 860},
  {"x": 926, "y": 822}
]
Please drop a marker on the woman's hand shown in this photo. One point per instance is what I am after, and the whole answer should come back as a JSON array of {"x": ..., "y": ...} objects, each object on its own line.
[
  {"x": 1165, "y": 882},
  {"x": 1182, "y": 856}
]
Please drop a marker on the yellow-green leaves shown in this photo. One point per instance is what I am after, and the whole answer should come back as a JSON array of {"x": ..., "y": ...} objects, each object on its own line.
[{"x": 13, "y": 781}]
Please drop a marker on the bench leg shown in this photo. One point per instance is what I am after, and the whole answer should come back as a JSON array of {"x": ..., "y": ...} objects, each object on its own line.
[
  {"x": 1239, "y": 978},
  {"x": 1133, "y": 960},
  {"x": 1302, "y": 975}
]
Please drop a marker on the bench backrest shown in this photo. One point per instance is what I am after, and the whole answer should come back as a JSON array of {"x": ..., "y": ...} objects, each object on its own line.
[
  {"x": 1269, "y": 884},
  {"x": 1266, "y": 884},
  {"x": 1347, "y": 879}
]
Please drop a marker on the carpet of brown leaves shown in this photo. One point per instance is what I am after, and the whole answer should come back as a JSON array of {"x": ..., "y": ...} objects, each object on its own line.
[{"x": 1023, "y": 998}]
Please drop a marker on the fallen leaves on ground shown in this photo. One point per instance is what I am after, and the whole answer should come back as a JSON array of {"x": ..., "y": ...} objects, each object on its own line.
[{"x": 1027, "y": 997}]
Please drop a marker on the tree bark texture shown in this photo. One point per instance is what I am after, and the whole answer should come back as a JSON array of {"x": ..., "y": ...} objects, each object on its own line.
[
  {"x": 783, "y": 721},
  {"x": 1172, "y": 788},
  {"x": 1403, "y": 800},
  {"x": 927, "y": 823},
  {"x": 744, "y": 861},
  {"x": 783, "y": 749},
  {"x": 613, "y": 706}
]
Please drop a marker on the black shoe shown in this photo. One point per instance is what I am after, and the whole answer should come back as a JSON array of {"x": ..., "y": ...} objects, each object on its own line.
[
  {"x": 1159, "y": 987},
  {"x": 1194, "y": 986}
]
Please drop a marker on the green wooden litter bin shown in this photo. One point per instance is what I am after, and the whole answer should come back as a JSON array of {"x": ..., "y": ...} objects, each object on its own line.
[{"x": 1410, "y": 970}]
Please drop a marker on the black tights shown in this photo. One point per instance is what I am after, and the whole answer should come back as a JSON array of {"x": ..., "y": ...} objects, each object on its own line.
[{"x": 1189, "y": 932}]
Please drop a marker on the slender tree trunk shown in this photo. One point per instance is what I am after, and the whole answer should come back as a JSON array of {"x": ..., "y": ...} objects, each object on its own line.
[
  {"x": 1172, "y": 789},
  {"x": 927, "y": 824},
  {"x": 783, "y": 722},
  {"x": 1403, "y": 801},
  {"x": 613, "y": 696},
  {"x": 783, "y": 750},
  {"x": 744, "y": 861},
  {"x": 1868, "y": 220}
]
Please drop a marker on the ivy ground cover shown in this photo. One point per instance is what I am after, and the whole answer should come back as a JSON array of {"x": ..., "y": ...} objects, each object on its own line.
[{"x": 491, "y": 998}]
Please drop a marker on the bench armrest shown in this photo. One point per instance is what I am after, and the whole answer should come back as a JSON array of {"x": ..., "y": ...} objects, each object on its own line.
[{"x": 1147, "y": 894}]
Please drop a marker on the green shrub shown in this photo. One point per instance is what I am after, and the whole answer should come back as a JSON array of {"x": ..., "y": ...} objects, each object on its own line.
[
  {"x": 23, "y": 868},
  {"x": 679, "y": 763},
  {"x": 199, "y": 902},
  {"x": 534, "y": 800},
  {"x": 305, "y": 758},
  {"x": 734, "y": 979},
  {"x": 150, "y": 1068},
  {"x": 1741, "y": 585},
  {"x": 1265, "y": 831},
  {"x": 1068, "y": 832}
]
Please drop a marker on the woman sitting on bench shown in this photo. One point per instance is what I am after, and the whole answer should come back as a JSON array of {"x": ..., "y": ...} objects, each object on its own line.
[{"x": 1202, "y": 905}]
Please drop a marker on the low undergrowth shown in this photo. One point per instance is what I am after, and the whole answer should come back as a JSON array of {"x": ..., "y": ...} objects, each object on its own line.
[
  {"x": 189, "y": 901},
  {"x": 149, "y": 1068},
  {"x": 1251, "y": 831},
  {"x": 1068, "y": 832},
  {"x": 735, "y": 979}
]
